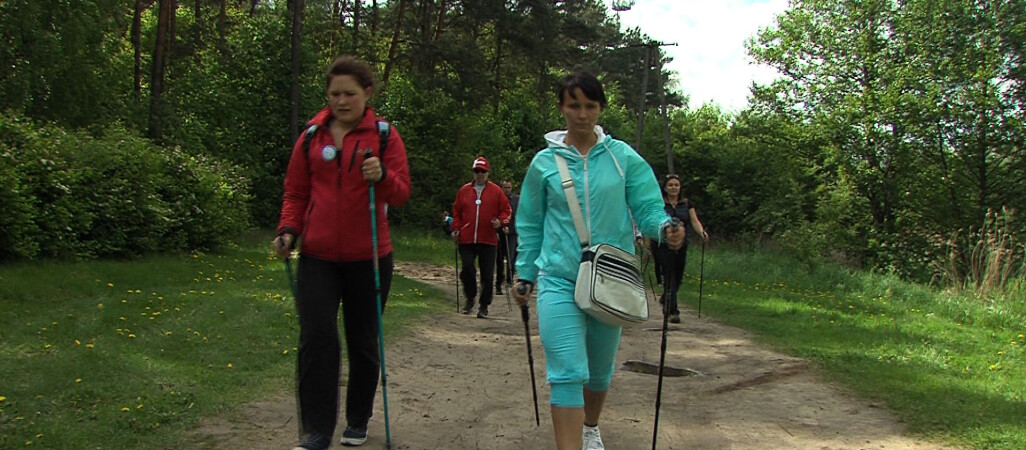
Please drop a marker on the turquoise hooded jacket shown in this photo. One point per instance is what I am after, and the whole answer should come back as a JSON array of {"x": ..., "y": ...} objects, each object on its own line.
[{"x": 613, "y": 183}]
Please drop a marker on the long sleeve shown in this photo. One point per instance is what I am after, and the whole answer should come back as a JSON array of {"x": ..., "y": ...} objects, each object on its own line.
[
  {"x": 297, "y": 191},
  {"x": 530, "y": 222}
]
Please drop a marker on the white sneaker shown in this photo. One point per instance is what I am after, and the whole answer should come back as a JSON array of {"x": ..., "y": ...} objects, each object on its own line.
[{"x": 592, "y": 439}]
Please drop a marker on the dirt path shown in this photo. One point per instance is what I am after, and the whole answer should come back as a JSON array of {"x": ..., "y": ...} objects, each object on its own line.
[{"x": 458, "y": 382}]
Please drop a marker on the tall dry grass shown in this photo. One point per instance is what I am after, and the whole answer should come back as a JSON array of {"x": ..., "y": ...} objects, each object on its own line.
[{"x": 988, "y": 261}]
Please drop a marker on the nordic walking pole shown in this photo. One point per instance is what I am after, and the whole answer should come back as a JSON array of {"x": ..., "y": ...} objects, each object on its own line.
[
  {"x": 526, "y": 316},
  {"x": 295, "y": 299},
  {"x": 288, "y": 270},
  {"x": 509, "y": 273},
  {"x": 377, "y": 292},
  {"x": 671, "y": 287},
  {"x": 456, "y": 252},
  {"x": 701, "y": 280}
]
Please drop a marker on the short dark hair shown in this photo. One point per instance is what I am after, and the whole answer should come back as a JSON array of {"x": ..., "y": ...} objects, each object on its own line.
[
  {"x": 350, "y": 65},
  {"x": 588, "y": 84}
]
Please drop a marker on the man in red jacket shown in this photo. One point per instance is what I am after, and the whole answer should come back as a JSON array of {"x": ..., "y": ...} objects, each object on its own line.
[{"x": 480, "y": 209}]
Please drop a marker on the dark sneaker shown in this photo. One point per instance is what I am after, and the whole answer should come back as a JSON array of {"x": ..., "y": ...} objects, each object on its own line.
[
  {"x": 314, "y": 441},
  {"x": 354, "y": 437},
  {"x": 482, "y": 313},
  {"x": 498, "y": 290},
  {"x": 468, "y": 309},
  {"x": 674, "y": 318}
]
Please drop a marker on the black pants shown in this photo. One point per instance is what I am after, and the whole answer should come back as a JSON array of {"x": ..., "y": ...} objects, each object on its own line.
[
  {"x": 485, "y": 255},
  {"x": 664, "y": 257},
  {"x": 507, "y": 251},
  {"x": 323, "y": 285}
]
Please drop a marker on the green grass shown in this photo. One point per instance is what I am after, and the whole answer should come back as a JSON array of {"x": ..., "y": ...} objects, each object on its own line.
[
  {"x": 953, "y": 369},
  {"x": 129, "y": 354}
]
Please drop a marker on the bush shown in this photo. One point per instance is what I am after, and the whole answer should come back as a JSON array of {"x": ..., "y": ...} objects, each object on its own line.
[{"x": 71, "y": 195}]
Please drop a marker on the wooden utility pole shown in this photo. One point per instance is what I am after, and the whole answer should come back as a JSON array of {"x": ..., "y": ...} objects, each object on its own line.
[{"x": 652, "y": 49}]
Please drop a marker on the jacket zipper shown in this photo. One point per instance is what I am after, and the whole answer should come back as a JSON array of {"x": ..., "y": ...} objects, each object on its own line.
[
  {"x": 477, "y": 211},
  {"x": 587, "y": 203}
]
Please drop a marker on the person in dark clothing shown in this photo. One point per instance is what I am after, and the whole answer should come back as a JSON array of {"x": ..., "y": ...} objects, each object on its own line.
[
  {"x": 325, "y": 204},
  {"x": 479, "y": 211},
  {"x": 679, "y": 207},
  {"x": 507, "y": 251},
  {"x": 446, "y": 223}
]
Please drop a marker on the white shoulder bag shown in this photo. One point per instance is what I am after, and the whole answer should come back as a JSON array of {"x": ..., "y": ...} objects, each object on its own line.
[{"x": 609, "y": 284}]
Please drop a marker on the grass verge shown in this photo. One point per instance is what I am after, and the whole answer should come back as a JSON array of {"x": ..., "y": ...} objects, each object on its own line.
[
  {"x": 952, "y": 368},
  {"x": 112, "y": 354}
]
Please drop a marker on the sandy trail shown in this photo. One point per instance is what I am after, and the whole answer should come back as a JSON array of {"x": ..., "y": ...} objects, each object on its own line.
[{"x": 458, "y": 382}]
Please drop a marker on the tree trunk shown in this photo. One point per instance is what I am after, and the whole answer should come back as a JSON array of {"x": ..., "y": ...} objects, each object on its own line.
[
  {"x": 137, "y": 45},
  {"x": 357, "y": 7},
  {"x": 393, "y": 47},
  {"x": 297, "y": 29},
  {"x": 159, "y": 66},
  {"x": 196, "y": 37},
  {"x": 666, "y": 119},
  {"x": 222, "y": 28},
  {"x": 497, "y": 70},
  {"x": 374, "y": 18},
  {"x": 439, "y": 22}
]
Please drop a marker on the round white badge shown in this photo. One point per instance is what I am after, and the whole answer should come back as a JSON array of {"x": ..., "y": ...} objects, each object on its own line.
[
  {"x": 477, "y": 202},
  {"x": 328, "y": 153}
]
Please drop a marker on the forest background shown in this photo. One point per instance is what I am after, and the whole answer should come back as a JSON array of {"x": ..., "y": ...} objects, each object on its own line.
[{"x": 893, "y": 139}]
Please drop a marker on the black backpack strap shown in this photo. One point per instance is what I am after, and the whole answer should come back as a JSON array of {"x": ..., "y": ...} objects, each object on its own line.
[{"x": 307, "y": 137}]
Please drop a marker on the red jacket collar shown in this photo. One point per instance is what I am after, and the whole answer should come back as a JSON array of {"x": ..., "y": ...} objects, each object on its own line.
[{"x": 324, "y": 117}]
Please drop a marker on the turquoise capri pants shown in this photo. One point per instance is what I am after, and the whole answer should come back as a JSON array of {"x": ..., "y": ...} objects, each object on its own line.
[{"x": 580, "y": 351}]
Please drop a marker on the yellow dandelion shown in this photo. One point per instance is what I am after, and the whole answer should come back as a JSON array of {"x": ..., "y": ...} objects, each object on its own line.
[
  {"x": 2, "y": 398},
  {"x": 1022, "y": 336},
  {"x": 125, "y": 409},
  {"x": 47, "y": 346},
  {"x": 78, "y": 380},
  {"x": 77, "y": 342},
  {"x": 229, "y": 365},
  {"x": 99, "y": 306},
  {"x": 110, "y": 284},
  {"x": 89, "y": 345},
  {"x": 285, "y": 352},
  {"x": 131, "y": 335},
  {"x": 139, "y": 406}
]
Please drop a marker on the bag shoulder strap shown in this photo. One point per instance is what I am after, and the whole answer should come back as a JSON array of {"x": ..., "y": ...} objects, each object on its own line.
[{"x": 571, "y": 199}]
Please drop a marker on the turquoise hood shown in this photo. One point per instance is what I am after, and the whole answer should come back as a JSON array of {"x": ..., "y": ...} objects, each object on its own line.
[{"x": 613, "y": 184}]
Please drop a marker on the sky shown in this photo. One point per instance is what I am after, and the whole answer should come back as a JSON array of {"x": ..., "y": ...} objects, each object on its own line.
[{"x": 710, "y": 59}]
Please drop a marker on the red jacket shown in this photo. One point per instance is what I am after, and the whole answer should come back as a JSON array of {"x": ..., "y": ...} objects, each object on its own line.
[
  {"x": 327, "y": 203},
  {"x": 473, "y": 221}
]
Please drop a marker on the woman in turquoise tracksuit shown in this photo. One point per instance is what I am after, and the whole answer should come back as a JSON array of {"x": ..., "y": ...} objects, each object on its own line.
[{"x": 613, "y": 183}]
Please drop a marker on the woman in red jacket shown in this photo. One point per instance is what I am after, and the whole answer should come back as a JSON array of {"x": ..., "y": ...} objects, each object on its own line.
[{"x": 326, "y": 204}]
